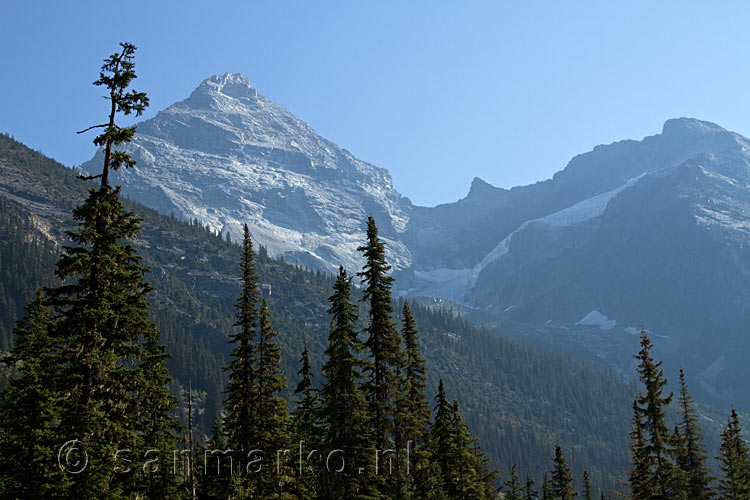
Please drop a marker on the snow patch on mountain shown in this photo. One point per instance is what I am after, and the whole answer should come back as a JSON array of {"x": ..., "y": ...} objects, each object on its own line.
[
  {"x": 595, "y": 318},
  {"x": 575, "y": 214}
]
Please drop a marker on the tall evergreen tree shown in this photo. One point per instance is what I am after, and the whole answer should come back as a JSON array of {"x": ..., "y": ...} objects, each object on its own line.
[
  {"x": 241, "y": 421},
  {"x": 640, "y": 480},
  {"x": 650, "y": 420},
  {"x": 383, "y": 342},
  {"x": 114, "y": 379},
  {"x": 465, "y": 469},
  {"x": 271, "y": 410},
  {"x": 547, "y": 493},
  {"x": 588, "y": 493},
  {"x": 214, "y": 466},
  {"x": 29, "y": 408},
  {"x": 530, "y": 492},
  {"x": 417, "y": 408},
  {"x": 513, "y": 489},
  {"x": 735, "y": 462},
  {"x": 562, "y": 479},
  {"x": 691, "y": 456},
  {"x": 344, "y": 407},
  {"x": 414, "y": 443},
  {"x": 442, "y": 436},
  {"x": 461, "y": 464},
  {"x": 306, "y": 429}
]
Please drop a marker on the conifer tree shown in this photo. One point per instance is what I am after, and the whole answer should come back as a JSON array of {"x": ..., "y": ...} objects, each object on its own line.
[
  {"x": 650, "y": 420},
  {"x": 442, "y": 436},
  {"x": 587, "y": 491},
  {"x": 415, "y": 424},
  {"x": 562, "y": 479},
  {"x": 306, "y": 429},
  {"x": 241, "y": 421},
  {"x": 735, "y": 462},
  {"x": 427, "y": 476},
  {"x": 417, "y": 408},
  {"x": 547, "y": 493},
  {"x": 344, "y": 407},
  {"x": 29, "y": 407},
  {"x": 113, "y": 378},
  {"x": 530, "y": 492},
  {"x": 465, "y": 465},
  {"x": 691, "y": 456},
  {"x": 513, "y": 490},
  {"x": 640, "y": 479},
  {"x": 214, "y": 466},
  {"x": 271, "y": 411},
  {"x": 383, "y": 342}
]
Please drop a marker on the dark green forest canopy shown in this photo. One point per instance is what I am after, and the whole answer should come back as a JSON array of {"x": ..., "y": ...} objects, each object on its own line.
[{"x": 517, "y": 400}]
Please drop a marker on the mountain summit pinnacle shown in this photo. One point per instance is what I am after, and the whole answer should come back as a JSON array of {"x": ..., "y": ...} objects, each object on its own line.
[
  {"x": 230, "y": 84},
  {"x": 691, "y": 126}
]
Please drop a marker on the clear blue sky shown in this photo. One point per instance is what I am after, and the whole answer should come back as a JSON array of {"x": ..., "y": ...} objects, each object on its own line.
[{"x": 437, "y": 92}]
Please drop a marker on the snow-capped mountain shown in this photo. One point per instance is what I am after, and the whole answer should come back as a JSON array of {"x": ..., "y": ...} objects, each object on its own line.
[
  {"x": 657, "y": 237},
  {"x": 229, "y": 156},
  {"x": 652, "y": 233}
]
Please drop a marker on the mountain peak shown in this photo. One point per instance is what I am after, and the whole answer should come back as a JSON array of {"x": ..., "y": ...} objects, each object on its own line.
[
  {"x": 479, "y": 186},
  {"x": 229, "y": 84},
  {"x": 691, "y": 126}
]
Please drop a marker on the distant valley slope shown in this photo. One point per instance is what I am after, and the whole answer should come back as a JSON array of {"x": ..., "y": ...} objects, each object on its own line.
[
  {"x": 637, "y": 234},
  {"x": 518, "y": 400}
]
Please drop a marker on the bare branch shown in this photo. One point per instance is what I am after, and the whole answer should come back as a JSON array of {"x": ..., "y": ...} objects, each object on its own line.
[
  {"x": 91, "y": 127},
  {"x": 88, "y": 177}
]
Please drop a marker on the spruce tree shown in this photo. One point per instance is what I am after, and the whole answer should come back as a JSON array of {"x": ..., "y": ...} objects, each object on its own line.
[
  {"x": 306, "y": 429},
  {"x": 530, "y": 492},
  {"x": 650, "y": 420},
  {"x": 547, "y": 493},
  {"x": 513, "y": 489},
  {"x": 29, "y": 408},
  {"x": 271, "y": 411},
  {"x": 383, "y": 341},
  {"x": 214, "y": 466},
  {"x": 640, "y": 480},
  {"x": 465, "y": 465},
  {"x": 344, "y": 407},
  {"x": 442, "y": 437},
  {"x": 415, "y": 424},
  {"x": 241, "y": 421},
  {"x": 588, "y": 494},
  {"x": 113, "y": 373},
  {"x": 691, "y": 456},
  {"x": 462, "y": 464},
  {"x": 735, "y": 462},
  {"x": 562, "y": 479},
  {"x": 417, "y": 408}
]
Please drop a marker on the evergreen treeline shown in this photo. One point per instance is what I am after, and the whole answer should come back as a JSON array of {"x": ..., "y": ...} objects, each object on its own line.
[
  {"x": 88, "y": 370},
  {"x": 518, "y": 401},
  {"x": 363, "y": 433}
]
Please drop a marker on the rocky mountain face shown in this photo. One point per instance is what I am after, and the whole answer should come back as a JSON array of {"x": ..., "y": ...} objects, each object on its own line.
[
  {"x": 637, "y": 234},
  {"x": 227, "y": 156},
  {"x": 662, "y": 242}
]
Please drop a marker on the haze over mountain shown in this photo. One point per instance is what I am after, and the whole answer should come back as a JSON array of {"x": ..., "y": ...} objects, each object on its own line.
[{"x": 649, "y": 233}]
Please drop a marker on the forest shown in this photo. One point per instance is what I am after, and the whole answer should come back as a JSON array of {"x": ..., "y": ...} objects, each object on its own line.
[{"x": 102, "y": 365}]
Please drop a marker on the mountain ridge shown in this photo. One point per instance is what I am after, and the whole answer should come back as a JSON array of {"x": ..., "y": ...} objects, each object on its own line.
[{"x": 227, "y": 155}]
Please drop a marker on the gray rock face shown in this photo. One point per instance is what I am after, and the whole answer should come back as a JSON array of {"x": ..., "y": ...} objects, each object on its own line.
[
  {"x": 228, "y": 156},
  {"x": 667, "y": 250},
  {"x": 652, "y": 233}
]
